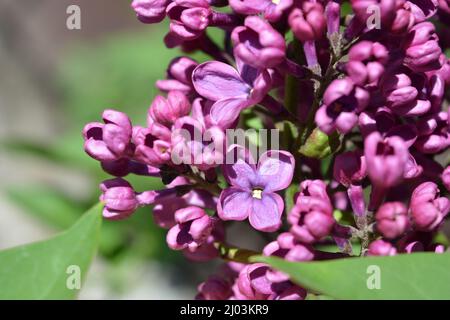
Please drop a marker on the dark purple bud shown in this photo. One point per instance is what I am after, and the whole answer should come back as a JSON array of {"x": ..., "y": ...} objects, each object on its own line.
[{"x": 349, "y": 167}]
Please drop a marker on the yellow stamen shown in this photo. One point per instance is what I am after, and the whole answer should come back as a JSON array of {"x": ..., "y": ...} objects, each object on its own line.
[{"x": 257, "y": 193}]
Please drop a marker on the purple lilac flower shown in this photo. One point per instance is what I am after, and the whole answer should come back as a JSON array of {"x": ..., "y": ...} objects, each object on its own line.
[
  {"x": 179, "y": 76},
  {"x": 428, "y": 208},
  {"x": 231, "y": 90},
  {"x": 434, "y": 133},
  {"x": 166, "y": 111},
  {"x": 342, "y": 102},
  {"x": 150, "y": 11},
  {"x": 381, "y": 248},
  {"x": 258, "y": 44},
  {"x": 308, "y": 22},
  {"x": 252, "y": 193},
  {"x": 350, "y": 167},
  {"x": 273, "y": 10},
  {"x": 192, "y": 228},
  {"x": 392, "y": 219}
]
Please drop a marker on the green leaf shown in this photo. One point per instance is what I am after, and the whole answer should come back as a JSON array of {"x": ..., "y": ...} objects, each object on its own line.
[
  {"x": 50, "y": 205},
  {"x": 406, "y": 276},
  {"x": 40, "y": 270}
]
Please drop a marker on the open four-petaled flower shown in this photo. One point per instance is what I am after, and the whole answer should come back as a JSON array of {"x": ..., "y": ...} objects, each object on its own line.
[{"x": 252, "y": 192}]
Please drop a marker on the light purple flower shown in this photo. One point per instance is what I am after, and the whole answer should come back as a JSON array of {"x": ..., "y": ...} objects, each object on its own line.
[
  {"x": 392, "y": 219},
  {"x": 386, "y": 159},
  {"x": 150, "y": 11},
  {"x": 231, "y": 90},
  {"x": 192, "y": 229},
  {"x": 252, "y": 191},
  {"x": 258, "y": 44},
  {"x": 342, "y": 102},
  {"x": 273, "y": 10},
  {"x": 428, "y": 208}
]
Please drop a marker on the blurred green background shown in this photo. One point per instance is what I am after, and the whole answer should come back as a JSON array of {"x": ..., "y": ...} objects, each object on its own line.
[{"x": 55, "y": 80}]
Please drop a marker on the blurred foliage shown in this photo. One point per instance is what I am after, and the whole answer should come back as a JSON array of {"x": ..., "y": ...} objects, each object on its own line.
[{"x": 117, "y": 73}]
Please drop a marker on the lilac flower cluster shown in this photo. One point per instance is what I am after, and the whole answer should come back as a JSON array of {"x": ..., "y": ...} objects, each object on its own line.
[{"x": 364, "y": 125}]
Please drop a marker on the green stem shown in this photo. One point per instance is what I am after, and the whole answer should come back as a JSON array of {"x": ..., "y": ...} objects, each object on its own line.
[{"x": 234, "y": 254}]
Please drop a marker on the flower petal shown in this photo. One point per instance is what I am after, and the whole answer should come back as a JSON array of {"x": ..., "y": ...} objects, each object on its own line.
[
  {"x": 266, "y": 213},
  {"x": 225, "y": 112},
  {"x": 276, "y": 169},
  {"x": 234, "y": 204},
  {"x": 217, "y": 80}
]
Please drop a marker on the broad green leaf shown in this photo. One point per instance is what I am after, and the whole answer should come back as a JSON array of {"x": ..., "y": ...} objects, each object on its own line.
[
  {"x": 50, "y": 205},
  {"x": 42, "y": 269},
  {"x": 406, "y": 276}
]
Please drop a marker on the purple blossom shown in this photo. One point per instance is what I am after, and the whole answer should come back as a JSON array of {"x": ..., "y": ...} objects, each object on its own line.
[
  {"x": 150, "y": 11},
  {"x": 166, "y": 111},
  {"x": 231, "y": 90},
  {"x": 179, "y": 76},
  {"x": 258, "y": 44},
  {"x": 350, "y": 168},
  {"x": 273, "y": 10},
  {"x": 342, "y": 102},
  {"x": 121, "y": 200},
  {"x": 392, "y": 219},
  {"x": 428, "y": 208},
  {"x": 385, "y": 159},
  {"x": 252, "y": 192},
  {"x": 308, "y": 22},
  {"x": 381, "y": 248},
  {"x": 192, "y": 229}
]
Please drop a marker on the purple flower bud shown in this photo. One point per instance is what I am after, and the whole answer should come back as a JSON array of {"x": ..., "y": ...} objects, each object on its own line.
[
  {"x": 150, "y": 11},
  {"x": 333, "y": 15},
  {"x": 121, "y": 200},
  {"x": 111, "y": 140},
  {"x": 152, "y": 145},
  {"x": 366, "y": 62},
  {"x": 314, "y": 188},
  {"x": 349, "y": 167},
  {"x": 381, "y": 248},
  {"x": 392, "y": 219},
  {"x": 179, "y": 76},
  {"x": 214, "y": 288},
  {"x": 343, "y": 100},
  {"x": 434, "y": 134},
  {"x": 258, "y": 44},
  {"x": 192, "y": 228},
  {"x": 446, "y": 178},
  {"x": 167, "y": 111},
  {"x": 308, "y": 23},
  {"x": 386, "y": 9},
  {"x": 385, "y": 159},
  {"x": 273, "y": 10},
  {"x": 422, "y": 48},
  {"x": 311, "y": 219},
  {"x": 414, "y": 246},
  {"x": 428, "y": 209},
  {"x": 188, "y": 18}
]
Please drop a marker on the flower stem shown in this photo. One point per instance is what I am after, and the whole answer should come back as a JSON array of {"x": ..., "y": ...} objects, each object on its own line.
[{"x": 234, "y": 254}]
